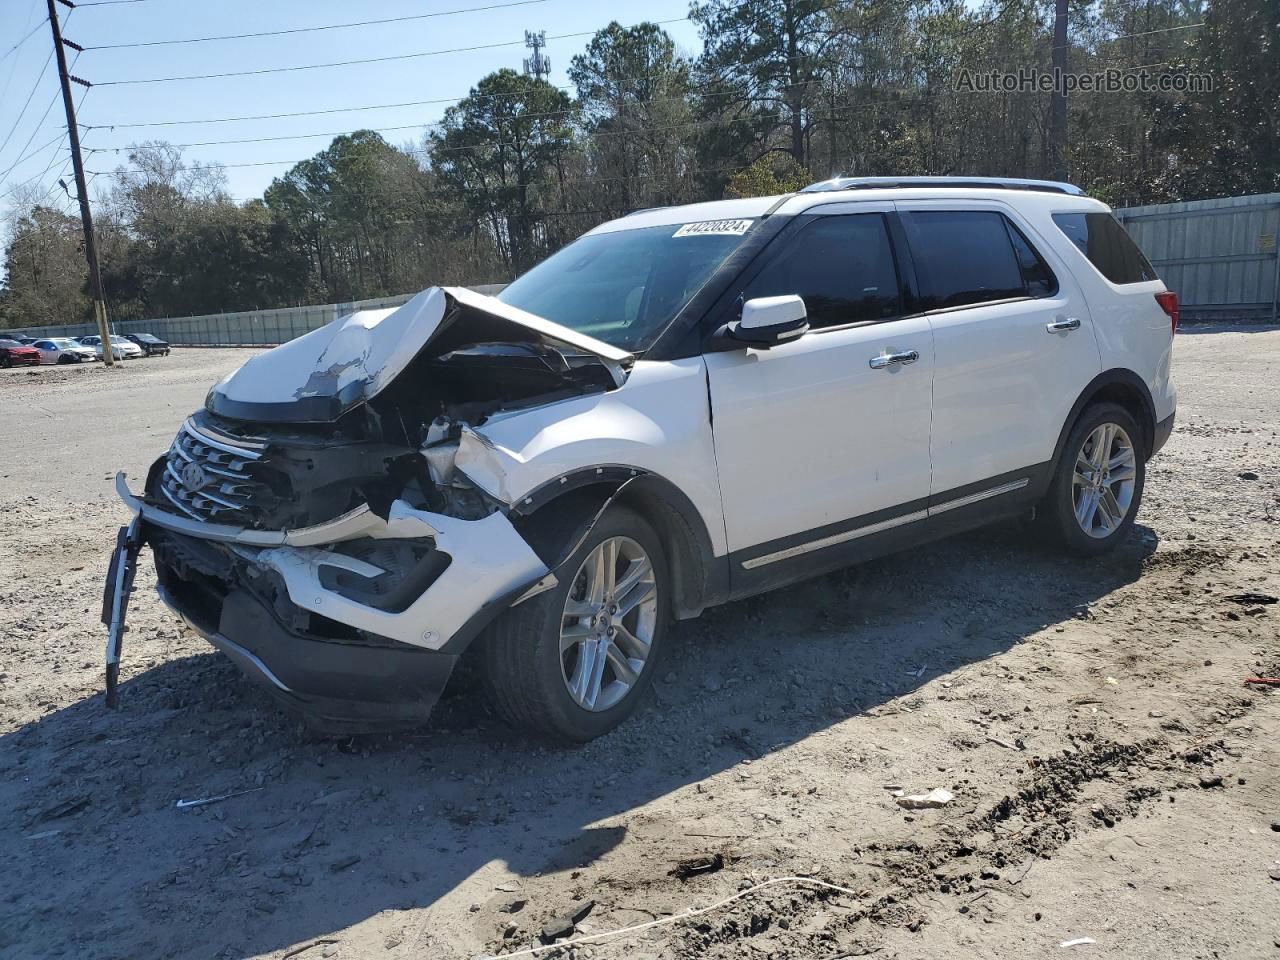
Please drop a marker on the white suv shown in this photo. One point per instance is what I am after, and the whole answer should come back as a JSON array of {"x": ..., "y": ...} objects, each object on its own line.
[{"x": 683, "y": 407}]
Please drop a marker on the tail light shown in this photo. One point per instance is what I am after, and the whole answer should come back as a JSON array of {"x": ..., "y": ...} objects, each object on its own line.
[{"x": 1169, "y": 304}]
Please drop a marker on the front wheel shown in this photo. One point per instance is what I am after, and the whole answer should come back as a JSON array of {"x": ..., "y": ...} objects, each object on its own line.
[
  {"x": 1097, "y": 489},
  {"x": 574, "y": 661}
]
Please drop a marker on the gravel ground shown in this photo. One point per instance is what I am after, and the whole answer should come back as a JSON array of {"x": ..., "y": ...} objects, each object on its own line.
[{"x": 1113, "y": 778}]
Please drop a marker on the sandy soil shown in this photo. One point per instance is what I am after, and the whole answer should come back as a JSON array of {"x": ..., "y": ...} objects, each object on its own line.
[{"x": 1113, "y": 777}]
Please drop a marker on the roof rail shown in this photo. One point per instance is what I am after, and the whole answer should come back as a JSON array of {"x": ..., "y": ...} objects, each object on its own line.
[{"x": 979, "y": 183}]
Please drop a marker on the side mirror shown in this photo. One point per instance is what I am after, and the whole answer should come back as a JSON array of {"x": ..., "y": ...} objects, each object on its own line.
[{"x": 766, "y": 322}]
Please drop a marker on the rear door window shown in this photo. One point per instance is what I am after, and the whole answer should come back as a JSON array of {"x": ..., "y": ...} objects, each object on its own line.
[
  {"x": 1108, "y": 247},
  {"x": 841, "y": 266},
  {"x": 963, "y": 257}
]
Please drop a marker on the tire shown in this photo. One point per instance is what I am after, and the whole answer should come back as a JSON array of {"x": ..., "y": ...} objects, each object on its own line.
[
  {"x": 1081, "y": 511},
  {"x": 5, "y": 362},
  {"x": 527, "y": 675}
]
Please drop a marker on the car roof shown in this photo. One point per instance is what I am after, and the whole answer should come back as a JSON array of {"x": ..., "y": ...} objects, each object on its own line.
[{"x": 848, "y": 190}]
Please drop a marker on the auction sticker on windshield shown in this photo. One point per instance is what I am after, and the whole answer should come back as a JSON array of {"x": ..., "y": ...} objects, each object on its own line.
[{"x": 721, "y": 228}]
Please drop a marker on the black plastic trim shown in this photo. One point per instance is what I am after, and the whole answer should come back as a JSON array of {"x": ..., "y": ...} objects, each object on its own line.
[
  {"x": 369, "y": 687},
  {"x": 1121, "y": 376},
  {"x": 1161, "y": 433},
  {"x": 748, "y": 582},
  {"x": 703, "y": 577}
]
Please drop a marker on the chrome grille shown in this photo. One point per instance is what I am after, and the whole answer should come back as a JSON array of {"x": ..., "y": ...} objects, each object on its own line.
[{"x": 214, "y": 479}]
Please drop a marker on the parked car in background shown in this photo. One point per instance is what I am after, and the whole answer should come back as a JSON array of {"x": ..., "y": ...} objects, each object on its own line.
[
  {"x": 64, "y": 350},
  {"x": 121, "y": 349},
  {"x": 152, "y": 346},
  {"x": 15, "y": 354}
]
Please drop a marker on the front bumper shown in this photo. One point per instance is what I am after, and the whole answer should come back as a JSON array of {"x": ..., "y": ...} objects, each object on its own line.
[
  {"x": 270, "y": 601},
  {"x": 490, "y": 566},
  {"x": 339, "y": 687}
]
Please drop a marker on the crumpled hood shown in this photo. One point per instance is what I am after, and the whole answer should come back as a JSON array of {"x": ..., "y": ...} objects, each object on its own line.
[{"x": 321, "y": 375}]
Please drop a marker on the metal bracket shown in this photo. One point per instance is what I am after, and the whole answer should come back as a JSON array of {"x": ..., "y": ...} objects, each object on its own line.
[{"x": 119, "y": 587}]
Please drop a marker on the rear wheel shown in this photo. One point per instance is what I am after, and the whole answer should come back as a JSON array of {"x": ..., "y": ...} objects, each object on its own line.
[
  {"x": 574, "y": 661},
  {"x": 1096, "y": 492}
]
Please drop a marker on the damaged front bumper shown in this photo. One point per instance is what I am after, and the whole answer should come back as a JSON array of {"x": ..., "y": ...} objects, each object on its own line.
[{"x": 306, "y": 614}]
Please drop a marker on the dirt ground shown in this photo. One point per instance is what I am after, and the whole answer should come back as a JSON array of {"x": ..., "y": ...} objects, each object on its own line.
[{"x": 1113, "y": 778}]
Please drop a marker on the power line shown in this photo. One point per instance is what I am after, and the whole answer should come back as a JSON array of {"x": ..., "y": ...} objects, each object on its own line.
[
  {"x": 378, "y": 129},
  {"x": 24, "y": 39},
  {"x": 39, "y": 125},
  {"x": 22, "y": 113},
  {"x": 360, "y": 109},
  {"x": 348, "y": 63},
  {"x": 487, "y": 144},
  {"x": 328, "y": 26},
  {"x": 44, "y": 146}
]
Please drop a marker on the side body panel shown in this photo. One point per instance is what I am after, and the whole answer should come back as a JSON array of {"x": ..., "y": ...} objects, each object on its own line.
[
  {"x": 1003, "y": 383},
  {"x": 1132, "y": 330},
  {"x": 807, "y": 434}
]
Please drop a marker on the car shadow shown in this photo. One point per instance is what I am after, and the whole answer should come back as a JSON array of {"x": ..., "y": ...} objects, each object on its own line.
[
  {"x": 1199, "y": 328},
  {"x": 102, "y": 863}
]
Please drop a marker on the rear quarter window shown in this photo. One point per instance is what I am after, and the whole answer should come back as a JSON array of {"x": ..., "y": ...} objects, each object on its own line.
[{"x": 1107, "y": 246}]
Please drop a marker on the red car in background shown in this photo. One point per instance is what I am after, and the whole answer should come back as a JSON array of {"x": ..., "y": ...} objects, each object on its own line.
[{"x": 14, "y": 354}]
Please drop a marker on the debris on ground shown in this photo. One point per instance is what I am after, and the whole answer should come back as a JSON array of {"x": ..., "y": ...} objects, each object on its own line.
[
  {"x": 937, "y": 797},
  {"x": 65, "y": 808},
  {"x": 564, "y": 926},
  {"x": 693, "y": 866},
  {"x": 1251, "y": 599},
  {"x": 1078, "y": 942},
  {"x": 205, "y": 801},
  {"x": 303, "y": 948}
]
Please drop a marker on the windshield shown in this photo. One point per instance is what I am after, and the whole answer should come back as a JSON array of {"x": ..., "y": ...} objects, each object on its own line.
[
  {"x": 116, "y": 339},
  {"x": 63, "y": 344},
  {"x": 624, "y": 287}
]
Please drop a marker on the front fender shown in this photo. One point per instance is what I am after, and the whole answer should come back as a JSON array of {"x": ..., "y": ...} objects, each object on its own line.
[{"x": 657, "y": 423}]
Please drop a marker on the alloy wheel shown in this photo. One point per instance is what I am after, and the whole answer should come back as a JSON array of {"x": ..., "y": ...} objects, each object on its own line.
[
  {"x": 608, "y": 624},
  {"x": 1103, "y": 483}
]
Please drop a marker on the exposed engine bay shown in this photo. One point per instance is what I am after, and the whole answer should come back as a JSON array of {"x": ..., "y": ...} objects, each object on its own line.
[
  {"x": 309, "y": 431},
  {"x": 312, "y": 520}
]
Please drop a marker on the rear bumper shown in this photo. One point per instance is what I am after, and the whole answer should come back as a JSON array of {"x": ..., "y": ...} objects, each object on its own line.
[
  {"x": 339, "y": 687},
  {"x": 1162, "y": 432}
]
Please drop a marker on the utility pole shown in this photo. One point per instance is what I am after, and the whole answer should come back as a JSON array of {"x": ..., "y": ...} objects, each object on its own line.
[
  {"x": 1058, "y": 108},
  {"x": 82, "y": 190}
]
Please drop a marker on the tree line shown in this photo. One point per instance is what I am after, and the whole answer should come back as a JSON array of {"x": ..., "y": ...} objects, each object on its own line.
[{"x": 785, "y": 92}]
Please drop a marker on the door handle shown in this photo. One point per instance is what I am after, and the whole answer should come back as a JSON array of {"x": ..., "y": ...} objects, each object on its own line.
[
  {"x": 893, "y": 359},
  {"x": 1063, "y": 326}
]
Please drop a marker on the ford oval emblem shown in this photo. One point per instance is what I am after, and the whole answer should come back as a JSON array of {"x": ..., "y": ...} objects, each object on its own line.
[{"x": 193, "y": 477}]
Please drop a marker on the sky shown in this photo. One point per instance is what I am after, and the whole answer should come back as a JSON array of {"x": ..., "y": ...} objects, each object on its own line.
[{"x": 109, "y": 105}]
